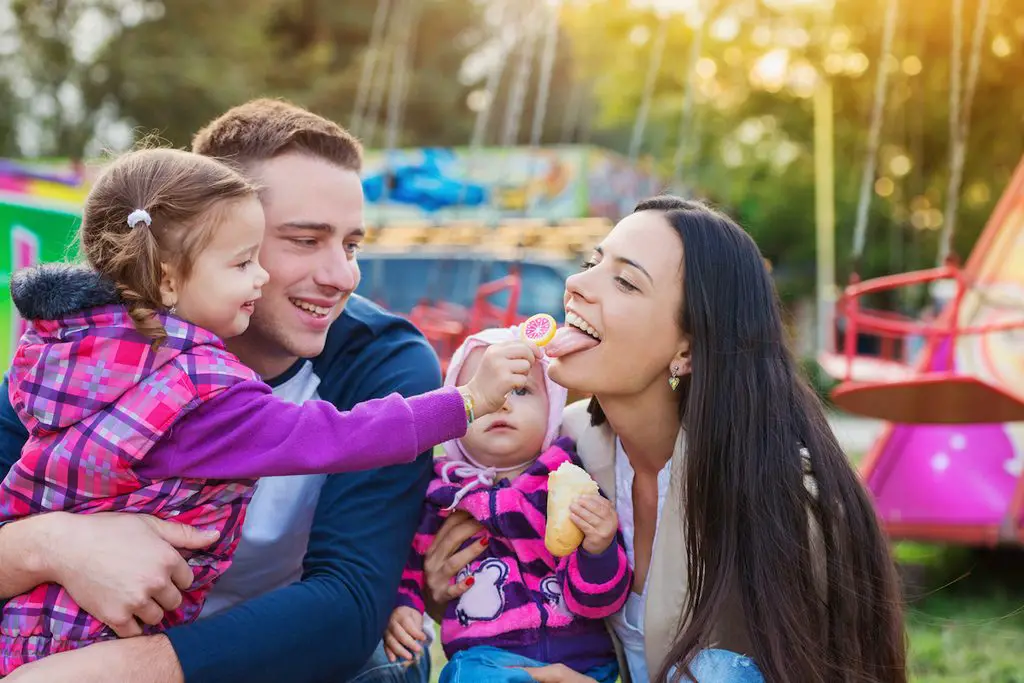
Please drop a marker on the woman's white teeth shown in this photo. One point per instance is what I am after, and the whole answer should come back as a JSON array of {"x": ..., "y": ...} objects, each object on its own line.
[
  {"x": 315, "y": 310},
  {"x": 579, "y": 323}
]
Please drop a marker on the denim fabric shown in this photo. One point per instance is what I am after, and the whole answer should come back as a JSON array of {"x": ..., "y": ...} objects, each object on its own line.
[
  {"x": 380, "y": 670},
  {"x": 490, "y": 664}
]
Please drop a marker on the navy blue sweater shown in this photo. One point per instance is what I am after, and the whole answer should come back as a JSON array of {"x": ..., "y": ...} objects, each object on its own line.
[{"x": 324, "y": 627}]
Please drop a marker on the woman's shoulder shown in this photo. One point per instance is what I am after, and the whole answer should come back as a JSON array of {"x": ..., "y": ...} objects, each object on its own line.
[
  {"x": 576, "y": 420},
  {"x": 595, "y": 444}
]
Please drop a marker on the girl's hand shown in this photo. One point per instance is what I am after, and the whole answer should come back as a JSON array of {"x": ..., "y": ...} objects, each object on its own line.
[
  {"x": 404, "y": 634},
  {"x": 504, "y": 368},
  {"x": 596, "y": 518}
]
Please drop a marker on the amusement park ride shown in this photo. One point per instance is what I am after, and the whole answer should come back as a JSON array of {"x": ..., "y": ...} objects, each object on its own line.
[{"x": 950, "y": 464}]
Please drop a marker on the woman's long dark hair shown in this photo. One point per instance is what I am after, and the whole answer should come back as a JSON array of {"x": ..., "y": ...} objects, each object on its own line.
[{"x": 833, "y": 613}]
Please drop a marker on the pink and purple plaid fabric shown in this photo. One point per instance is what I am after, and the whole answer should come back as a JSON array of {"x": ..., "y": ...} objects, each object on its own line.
[{"x": 96, "y": 397}]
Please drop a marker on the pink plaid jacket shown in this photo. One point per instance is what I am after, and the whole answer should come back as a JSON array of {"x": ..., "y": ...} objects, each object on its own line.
[{"x": 95, "y": 398}]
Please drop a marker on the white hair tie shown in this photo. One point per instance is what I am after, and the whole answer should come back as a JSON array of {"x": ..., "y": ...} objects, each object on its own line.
[{"x": 139, "y": 216}]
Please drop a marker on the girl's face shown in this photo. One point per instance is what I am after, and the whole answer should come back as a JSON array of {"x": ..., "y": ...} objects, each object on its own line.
[
  {"x": 629, "y": 294},
  {"x": 515, "y": 434},
  {"x": 226, "y": 279}
]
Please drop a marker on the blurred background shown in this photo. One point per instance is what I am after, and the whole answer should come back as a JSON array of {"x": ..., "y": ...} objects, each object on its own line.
[{"x": 504, "y": 137}]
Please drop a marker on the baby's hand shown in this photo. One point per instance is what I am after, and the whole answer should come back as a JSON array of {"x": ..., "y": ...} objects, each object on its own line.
[
  {"x": 596, "y": 518},
  {"x": 405, "y": 633}
]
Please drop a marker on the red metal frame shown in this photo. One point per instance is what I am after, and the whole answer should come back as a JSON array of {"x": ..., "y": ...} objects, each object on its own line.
[
  {"x": 446, "y": 325},
  {"x": 485, "y": 314},
  {"x": 930, "y": 396},
  {"x": 949, "y": 533},
  {"x": 443, "y": 324}
]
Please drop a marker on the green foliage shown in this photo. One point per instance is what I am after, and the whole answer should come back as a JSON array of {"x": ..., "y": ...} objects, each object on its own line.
[
  {"x": 84, "y": 65},
  {"x": 820, "y": 381},
  {"x": 766, "y": 176},
  {"x": 964, "y": 616},
  {"x": 8, "y": 119},
  {"x": 170, "y": 67}
]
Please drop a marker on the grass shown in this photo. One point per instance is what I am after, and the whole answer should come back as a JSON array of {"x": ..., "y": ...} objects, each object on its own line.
[
  {"x": 437, "y": 658},
  {"x": 965, "y": 614}
]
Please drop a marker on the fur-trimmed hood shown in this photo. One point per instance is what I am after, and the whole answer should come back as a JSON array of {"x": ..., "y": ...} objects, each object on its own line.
[
  {"x": 56, "y": 290},
  {"x": 81, "y": 351}
]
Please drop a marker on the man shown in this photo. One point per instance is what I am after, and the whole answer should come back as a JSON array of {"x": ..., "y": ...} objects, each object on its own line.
[{"x": 316, "y": 571}]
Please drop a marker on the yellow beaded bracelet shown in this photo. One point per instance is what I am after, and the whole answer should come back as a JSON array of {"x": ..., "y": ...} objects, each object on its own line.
[{"x": 467, "y": 400}]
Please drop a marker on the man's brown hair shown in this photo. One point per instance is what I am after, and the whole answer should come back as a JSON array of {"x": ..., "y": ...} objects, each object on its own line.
[{"x": 262, "y": 129}]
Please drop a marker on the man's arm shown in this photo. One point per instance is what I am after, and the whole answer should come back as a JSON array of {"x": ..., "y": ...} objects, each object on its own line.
[
  {"x": 326, "y": 626},
  {"x": 114, "y": 565}
]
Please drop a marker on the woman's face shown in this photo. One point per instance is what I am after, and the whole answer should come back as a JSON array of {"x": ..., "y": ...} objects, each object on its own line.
[{"x": 629, "y": 294}]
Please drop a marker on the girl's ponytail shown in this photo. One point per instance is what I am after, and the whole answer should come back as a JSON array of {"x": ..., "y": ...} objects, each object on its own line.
[
  {"x": 139, "y": 285},
  {"x": 154, "y": 209}
]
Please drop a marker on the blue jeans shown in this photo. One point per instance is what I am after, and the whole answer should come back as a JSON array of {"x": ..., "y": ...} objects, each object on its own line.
[
  {"x": 380, "y": 670},
  {"x": 723, "y": 666},
  {"x": 490, "y": 664}
]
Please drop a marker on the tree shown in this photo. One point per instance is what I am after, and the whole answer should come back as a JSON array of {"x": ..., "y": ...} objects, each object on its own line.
[
  {"x": 185, "y": 62},
  {"x": 9, "y": 103},
  {"x": 56, "y": 56},
  {"x": 754, "y": 122},
  {"x": 172, "y": 66},
  {"x": 8, "y": 120}
]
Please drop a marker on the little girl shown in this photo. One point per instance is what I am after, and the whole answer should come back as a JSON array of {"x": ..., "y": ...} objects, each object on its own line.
[
  {"x": 123, "y": 363},
  {"x": 524, "y": 607}
]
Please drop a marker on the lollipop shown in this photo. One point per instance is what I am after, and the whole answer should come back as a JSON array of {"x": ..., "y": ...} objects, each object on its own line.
[{"x": 539, "y": 329}]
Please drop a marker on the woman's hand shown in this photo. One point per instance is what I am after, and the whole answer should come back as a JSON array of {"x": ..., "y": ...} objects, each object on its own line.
[
  {"x": 121, "y": 568},
  {"x": 442, "y": 563},
  {"x": 597, "y": 519},
  {"x": 557, "y": 673}
]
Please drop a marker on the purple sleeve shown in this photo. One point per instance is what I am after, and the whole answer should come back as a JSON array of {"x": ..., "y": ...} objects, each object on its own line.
[
  {"x": 247, "y": 432},
  {"x": 596, "y": 586}
]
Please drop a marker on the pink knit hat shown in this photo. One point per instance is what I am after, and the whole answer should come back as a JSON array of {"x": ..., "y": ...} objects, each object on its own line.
[{"x": 557, "y": 395}]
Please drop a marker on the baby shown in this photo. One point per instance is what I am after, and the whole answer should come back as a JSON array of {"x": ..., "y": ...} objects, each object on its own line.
[{"x": 525, "y": 607}]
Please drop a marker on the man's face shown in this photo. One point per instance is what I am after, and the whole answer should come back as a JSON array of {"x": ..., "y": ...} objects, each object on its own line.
[{"x": 314, "y": 212}]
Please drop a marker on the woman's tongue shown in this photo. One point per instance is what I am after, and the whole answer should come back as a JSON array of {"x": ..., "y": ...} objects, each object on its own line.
[{"x": 568, "y": 340}]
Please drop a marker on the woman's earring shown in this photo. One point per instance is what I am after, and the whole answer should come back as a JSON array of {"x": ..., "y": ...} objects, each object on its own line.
[
  {"x": 673, "y": 380},
  {"x": 173, "y": 310}
]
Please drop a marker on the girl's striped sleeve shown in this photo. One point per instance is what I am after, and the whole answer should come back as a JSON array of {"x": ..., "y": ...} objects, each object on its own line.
[{"x": 596, "y": 586}]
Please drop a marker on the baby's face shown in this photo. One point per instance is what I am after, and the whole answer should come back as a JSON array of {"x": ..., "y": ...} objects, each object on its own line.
[{"x": 515, "y": 434}]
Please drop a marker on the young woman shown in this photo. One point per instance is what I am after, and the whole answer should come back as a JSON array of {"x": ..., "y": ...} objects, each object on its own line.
[{"x": 755, "y": 549}]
